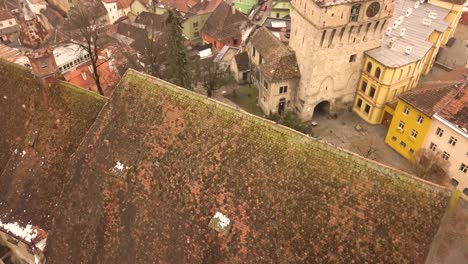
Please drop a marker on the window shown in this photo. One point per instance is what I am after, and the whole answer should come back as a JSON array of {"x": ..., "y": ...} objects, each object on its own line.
[
  {"x": 195, "y": 24},
  {"x": 359, "y": 103},
  {"x": 445, "y": 155},
  {"x": 283, "y": 89},
  {"x": 260, "y": 60},
  {"x": 402, "y": 144},
  {"x": 420, "y": 119},
  {"x": 253, "y": 52},
  {"x": 196, "y": 34},
  {"x": 369, "y": 67},
  {"x": 393, "y": 138},
  {"x": 401, "y": 125},
  {"x": 452, "y": 141},
  {"x": 439, "y": 132},
  {"x": 454, "y": 182},
  {"x": 352, "y": 58},
  {"x": 332, "y": 35},
  {"x": 433, "y": 146},
  {"x": 414, "y": 134},
  {"x": 364, "y": 85},
  {"x": 372, "y": 92},
  {"x": 377, "y": 73},
  {"x": 411, "y": 151},
  {"x": 406, "y": 110},
  {"x": 463, "y": 168},
  {"x": 323, "y": 37},
  {"x": 354, "y": 13},
  {"x": 265, "y": 84},
  {"x": 367, "y": 109},
  {"x": 235, "y": 41}
]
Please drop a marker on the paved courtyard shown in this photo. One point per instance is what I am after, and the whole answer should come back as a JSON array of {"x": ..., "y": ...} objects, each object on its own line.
[{"x": 368, "y": 142}]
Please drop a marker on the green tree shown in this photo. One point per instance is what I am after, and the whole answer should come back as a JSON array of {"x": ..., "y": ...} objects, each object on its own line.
[{"x": 178, "y": 70}]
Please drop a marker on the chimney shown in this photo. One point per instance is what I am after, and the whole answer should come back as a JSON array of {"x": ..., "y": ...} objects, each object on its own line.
[{"x": 391, "y": 44}]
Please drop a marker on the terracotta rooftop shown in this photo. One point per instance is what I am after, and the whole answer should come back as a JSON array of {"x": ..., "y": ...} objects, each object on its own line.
[
  {"x": 448, "y": 92},
  {"x": 431, "y": 97},
  {"x": 5, "y": 15},
  {"x": 226, "y": 22},
  {"x": 160, "y": 162},
  {"x": 279, "y": 60},
  {"x": 456, "y": 112},
  {"x": 242, "y": 61},
  {"x": 83, "y": 77},
  {"x": 39, "y": 131}
]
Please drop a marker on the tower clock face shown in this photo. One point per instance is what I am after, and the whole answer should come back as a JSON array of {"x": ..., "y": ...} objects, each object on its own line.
[{"x": 373, "y": 9}]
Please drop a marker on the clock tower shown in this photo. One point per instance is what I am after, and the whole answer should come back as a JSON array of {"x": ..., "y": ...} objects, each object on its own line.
[{"x": 330, "y": 38}]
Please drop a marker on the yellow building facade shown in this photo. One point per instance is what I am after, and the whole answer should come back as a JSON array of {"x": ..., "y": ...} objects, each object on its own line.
[
  {"x": 398, "y": 64},
  {"x": 407, "y": 130},
  {"x": 456, "y": 11},
  {"x": 380, "y": 84}
]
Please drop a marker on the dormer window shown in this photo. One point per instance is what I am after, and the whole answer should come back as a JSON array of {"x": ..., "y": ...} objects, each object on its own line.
[{"x": 354, "y": 13}]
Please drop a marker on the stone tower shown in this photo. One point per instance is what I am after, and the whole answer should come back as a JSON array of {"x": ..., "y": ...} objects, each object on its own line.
[
  {"x": 35, "y": 35},
  {"x": 329, "y": 38}
]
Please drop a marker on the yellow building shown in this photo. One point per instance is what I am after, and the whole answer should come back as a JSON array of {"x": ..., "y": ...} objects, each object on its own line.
[
  {"x": 413, "y": 116},
  {"x": 408, "y": 51},
  {"x": 456, "y": 11}
]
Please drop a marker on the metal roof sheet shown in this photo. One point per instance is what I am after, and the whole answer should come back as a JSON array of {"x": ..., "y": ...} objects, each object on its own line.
[{"x": 416, "y": 33}]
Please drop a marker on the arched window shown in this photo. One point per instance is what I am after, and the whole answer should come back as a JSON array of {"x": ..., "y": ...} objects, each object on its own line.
[
  {"x": 377, "y": 73},
  {"x": 369, "y": 67}
]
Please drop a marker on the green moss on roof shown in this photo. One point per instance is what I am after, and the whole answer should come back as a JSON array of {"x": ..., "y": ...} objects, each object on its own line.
[
  {"x": 48, "y": 124},
  {"x": 290, "y": 197}
]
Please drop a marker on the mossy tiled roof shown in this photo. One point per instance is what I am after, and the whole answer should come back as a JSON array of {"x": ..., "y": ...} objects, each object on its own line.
[
  {"x": 160, "y": 161},
  {"x": 39, "y": 130}
]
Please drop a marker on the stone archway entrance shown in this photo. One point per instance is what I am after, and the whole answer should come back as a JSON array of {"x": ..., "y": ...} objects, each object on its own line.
[{"x": 322, "y": 109}]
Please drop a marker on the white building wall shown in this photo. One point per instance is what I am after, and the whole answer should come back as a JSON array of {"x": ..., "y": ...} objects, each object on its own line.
[
  {"x": 7, "y": 23},
  {"x": 112, "y": 11},
  {"x": 458, "y": 152}
]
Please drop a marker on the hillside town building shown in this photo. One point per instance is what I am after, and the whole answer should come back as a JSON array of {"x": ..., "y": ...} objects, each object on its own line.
[
  {"x": 430, "y": 122},
  {"x": 329, "y": 39}
]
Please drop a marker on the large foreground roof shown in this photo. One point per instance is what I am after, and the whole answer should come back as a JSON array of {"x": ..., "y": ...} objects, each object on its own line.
[
  {"x": 39, "y": 130},
  {"x": 160, "y": 162}
]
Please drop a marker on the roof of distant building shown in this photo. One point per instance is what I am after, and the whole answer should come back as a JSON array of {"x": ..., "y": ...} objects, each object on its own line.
[
  {"x": 279, "y": 59},
  {"x": 415, "y": 34},
  {"x": 434, "y": 96},
  {"x": 83, "y": 77},
  {"x": 190, "y": 7},
  {"x": 5, "y": 15},
  {"x": 456, "y": 112},
  {"x": 152, "y": 20},
  {"x": 161, "y": 161},
  {"x": 41, "y": 129},
  {"x": 276, "y": 24},
  {"x": 226, "y": 22},
  {"x": 242, "y": 61},
  {"x": 325, "y": 3}
]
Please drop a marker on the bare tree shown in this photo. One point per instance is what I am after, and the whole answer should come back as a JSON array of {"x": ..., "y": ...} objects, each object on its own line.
[
  {"x": 212, "y": 76},
  {"x": 153, "y": 54},
  {"x": 430, "y": 165},
  {"x": 84, "y": 28}
]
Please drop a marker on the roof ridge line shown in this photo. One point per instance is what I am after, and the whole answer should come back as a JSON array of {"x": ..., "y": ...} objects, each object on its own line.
[{"x": 388, "y": 171}]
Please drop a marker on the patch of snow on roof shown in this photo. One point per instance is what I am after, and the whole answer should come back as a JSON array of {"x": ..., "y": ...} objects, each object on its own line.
[
  {"x": 278, "y": 24},
  {"x": 277, "y": 34},
  {"x": 119, "y": 167},
  {"x": 41, "y": 244},
  {"x": 223, "y": 221},
  {"x": 205, "y": 53},
  {"x": 27, "y": 233}
]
